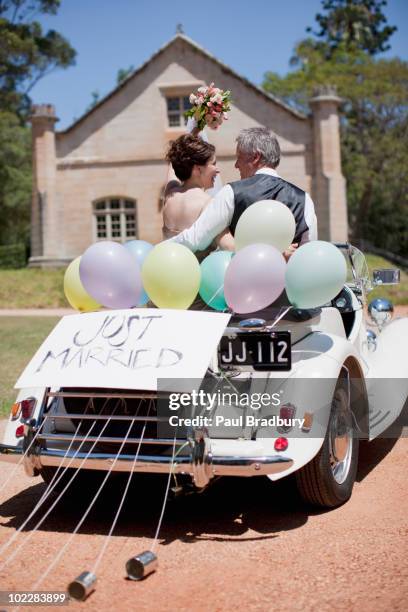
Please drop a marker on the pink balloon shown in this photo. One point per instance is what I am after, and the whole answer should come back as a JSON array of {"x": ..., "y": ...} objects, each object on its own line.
[
  {"x": 255, "y": 278},
  {"x": 111, "y": 275}
]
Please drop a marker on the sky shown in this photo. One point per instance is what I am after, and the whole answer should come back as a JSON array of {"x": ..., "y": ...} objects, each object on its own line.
[{"x": 250, "y": 37}]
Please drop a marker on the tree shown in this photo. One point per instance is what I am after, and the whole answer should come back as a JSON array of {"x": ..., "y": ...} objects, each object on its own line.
[
  {"x": 27, "y": 54},
  {"x": 123, "y": 74},
  {"x": 358, "y": 24},
  {"x": 15, "y": 179},
  {"x": 374, "y": 129}
]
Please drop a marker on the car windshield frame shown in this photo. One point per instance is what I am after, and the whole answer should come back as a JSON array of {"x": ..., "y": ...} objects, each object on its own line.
[{"x": 358, "y": 275}]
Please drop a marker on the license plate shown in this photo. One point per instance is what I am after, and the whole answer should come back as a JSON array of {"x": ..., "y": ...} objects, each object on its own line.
[{"x": 262, "y": 351}]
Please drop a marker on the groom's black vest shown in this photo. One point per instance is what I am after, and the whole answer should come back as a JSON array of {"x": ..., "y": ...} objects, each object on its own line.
[{"x": 268, "y": 187}]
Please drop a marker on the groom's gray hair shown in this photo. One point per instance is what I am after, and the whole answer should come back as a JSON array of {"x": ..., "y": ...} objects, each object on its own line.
[{"x": 260, "y": 140}]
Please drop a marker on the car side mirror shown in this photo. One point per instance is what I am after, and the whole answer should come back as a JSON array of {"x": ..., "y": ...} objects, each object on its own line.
[{"x": 386, "y": 277}]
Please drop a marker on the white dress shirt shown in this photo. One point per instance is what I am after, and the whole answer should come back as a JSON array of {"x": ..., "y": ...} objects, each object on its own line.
[{"x": 218, "y": 215}]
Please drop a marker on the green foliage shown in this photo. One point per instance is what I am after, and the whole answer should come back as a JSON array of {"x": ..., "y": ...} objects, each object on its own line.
[
  {"x": 12, "y": 256},
  {"x": 27, "y": 53},
  {"x": 357, "y": 24},
  {"x": 374, "y": 129},
  {"x": 123, "y": 74},
  {"x": 15, "y": 179}
]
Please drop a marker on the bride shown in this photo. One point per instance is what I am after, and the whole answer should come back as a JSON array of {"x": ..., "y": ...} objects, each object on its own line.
[{"x": 194, "y": 164}]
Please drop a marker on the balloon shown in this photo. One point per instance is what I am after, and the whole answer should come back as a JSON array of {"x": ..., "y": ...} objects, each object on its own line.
[
  {"x": 139, "y": 249},
  {"x": 266, "y": 222},
  {"x": 171, "y": 275},
  {"x": 74, "y": 289},
  {"x": 213, "y": 269},
  {"x": 315, "y": 274},
  {"x": 110, "y": 275},
  {"x": 255, "y": 278}
]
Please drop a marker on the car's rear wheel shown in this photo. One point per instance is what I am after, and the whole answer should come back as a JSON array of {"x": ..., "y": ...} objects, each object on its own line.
[{"x": 327, "y": 481}]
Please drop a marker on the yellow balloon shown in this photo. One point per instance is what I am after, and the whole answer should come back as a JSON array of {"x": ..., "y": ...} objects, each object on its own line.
[
  {"x": 171, "y": 275},
  {"x": 74, "y": 289}
]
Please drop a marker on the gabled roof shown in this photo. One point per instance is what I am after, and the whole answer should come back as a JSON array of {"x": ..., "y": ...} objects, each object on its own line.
[{"x": 198, "y": 49}]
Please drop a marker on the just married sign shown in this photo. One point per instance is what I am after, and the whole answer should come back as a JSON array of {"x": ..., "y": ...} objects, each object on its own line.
[{"x": 125, "y": 349}]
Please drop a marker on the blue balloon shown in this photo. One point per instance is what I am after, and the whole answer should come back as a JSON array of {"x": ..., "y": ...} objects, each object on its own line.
[
  {"x": 140, "y": 250},
  {"x": 213, "y": 269}
]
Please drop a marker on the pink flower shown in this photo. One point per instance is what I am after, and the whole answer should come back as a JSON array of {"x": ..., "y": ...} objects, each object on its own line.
[{"x": 216, "y": 99}]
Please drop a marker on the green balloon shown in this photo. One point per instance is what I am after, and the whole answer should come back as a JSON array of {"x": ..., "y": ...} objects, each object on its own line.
[
  {"x": 213, "y": 269},
  {"x": 315, "y": 274}
]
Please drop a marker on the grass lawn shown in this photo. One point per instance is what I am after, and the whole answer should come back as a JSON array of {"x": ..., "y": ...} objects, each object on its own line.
[
  {"x": 32, "y": 288},
  {"x": 20, "y": 337}
]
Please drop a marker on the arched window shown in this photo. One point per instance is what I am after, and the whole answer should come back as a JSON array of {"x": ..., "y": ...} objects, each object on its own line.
[{"x": 115, "y": 219}]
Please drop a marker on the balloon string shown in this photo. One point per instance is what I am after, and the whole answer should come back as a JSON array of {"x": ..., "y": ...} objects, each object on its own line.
[
  {"x": 279, "y": 317},
  {"x": 220, "y": 288}
]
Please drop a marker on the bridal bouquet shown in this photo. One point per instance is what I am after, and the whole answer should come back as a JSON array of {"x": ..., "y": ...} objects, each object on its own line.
[{"x": 209, "y": 106}]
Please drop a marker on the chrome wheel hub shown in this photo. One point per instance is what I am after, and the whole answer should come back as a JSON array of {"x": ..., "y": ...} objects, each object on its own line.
[{"x": 341, "y": 437}]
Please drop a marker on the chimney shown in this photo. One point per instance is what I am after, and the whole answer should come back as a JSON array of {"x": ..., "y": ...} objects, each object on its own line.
[
  {"x": 44, "y": 232},
  {"x": 329, "y": 186}
]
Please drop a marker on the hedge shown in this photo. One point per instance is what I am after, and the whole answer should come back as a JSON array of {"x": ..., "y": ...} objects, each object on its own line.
[{"x": 13, "y": 256}]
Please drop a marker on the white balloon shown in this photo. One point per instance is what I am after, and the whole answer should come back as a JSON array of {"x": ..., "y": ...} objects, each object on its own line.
[{"x": 266, "y": 222}]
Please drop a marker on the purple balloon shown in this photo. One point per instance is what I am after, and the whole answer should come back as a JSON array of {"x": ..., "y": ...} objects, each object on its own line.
[
  {"x": 255, "y": 278},
  {"x": 110, "y": 275}
]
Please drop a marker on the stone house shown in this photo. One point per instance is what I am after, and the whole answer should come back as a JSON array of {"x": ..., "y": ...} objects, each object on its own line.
[{"x": 102, "y": 178}]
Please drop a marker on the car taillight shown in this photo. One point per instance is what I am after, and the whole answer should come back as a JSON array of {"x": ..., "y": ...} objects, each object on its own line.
[
  {"x": 27, "y": 408},
  {"x": 281, "y": 444},
  {"x": 20, "y": 431},
  {"x": 23, "y": 409},
  {"x": 286, "y": 413},
  {"x": 15, "y": 411}
]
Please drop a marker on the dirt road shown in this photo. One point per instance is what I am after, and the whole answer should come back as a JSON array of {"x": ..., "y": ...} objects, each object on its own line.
[{"x": 244, "y": 545}]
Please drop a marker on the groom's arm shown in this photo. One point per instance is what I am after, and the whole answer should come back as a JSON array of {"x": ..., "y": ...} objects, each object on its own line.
[
  {"x": 212, "y": 221},
  {"x": 311, "y": 221}
]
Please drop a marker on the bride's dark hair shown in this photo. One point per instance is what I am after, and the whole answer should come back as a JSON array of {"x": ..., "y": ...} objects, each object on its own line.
[{"x": 187, "y": 151}]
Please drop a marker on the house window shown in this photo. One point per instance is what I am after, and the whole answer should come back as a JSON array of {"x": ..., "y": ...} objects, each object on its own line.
[
  {"x": 115, "y": 219},
  {"x": 176, "y": 106}
]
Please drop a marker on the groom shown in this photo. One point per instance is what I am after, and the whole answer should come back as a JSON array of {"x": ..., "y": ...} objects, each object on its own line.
[{"x": 258, "y": 154}]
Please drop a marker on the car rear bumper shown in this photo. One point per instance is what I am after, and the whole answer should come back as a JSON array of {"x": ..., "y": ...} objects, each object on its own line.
[{"x": 202, "y": 466}]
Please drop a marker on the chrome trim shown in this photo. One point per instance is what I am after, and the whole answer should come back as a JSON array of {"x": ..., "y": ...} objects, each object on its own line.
[
  {"x": 108, "y": 439},
  {"x": 104, "y": 417},
  {"x": 93, "y": 394},
  {"x": 201, "y": 456},
  {"x": 218, "y": 465},
  {"x": 215, "y": 466}
]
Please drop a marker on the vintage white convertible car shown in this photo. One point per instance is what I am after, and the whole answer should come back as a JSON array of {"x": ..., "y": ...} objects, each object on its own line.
[{"x": 314, "y": 382}]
